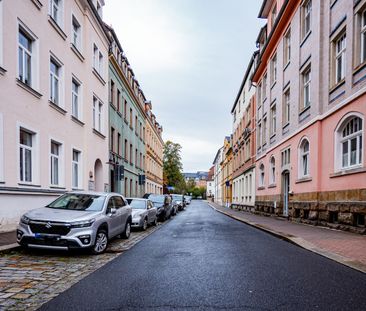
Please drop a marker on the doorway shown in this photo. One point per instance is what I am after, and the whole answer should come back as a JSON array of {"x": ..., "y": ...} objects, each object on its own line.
[{"x": 285, "y": 191}]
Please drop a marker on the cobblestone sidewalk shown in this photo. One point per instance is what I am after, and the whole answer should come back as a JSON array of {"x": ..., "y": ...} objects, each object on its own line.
[
  {"x": 344, "y": 247},
  {"x": 29, "y": 279}
]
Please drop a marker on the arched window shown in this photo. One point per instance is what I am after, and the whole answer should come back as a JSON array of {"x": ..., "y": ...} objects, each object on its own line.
[
  {"x": 273, "y": 170},
  {"x": 349, "y": 145},
  {"x": 304, "y": 158},
  {"x": 261, "y": 175}
]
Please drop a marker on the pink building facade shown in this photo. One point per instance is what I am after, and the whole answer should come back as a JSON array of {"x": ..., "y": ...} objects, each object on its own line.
[
  {"x": 53, "y": 102},
  {"x": 311, "y": 107}
]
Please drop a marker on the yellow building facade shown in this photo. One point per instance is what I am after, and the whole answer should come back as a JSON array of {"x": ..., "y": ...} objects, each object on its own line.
[{"x": 227, "y": 172}]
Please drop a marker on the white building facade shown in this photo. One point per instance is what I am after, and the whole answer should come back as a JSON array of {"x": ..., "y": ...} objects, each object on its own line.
[
  {"x": 218, "y": 177},
  {"x": 53, "y": 102}
]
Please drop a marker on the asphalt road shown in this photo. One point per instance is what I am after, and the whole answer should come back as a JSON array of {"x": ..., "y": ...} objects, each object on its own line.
[{"x": 203, "y": 260}]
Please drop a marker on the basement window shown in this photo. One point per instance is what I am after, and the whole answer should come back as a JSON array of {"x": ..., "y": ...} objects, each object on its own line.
[
  {"x": 333, "y": 217},
  {"x": 306, "y": 214},
  {"x": 297, "y": 213},
  {"x": 359, "y": 220}
]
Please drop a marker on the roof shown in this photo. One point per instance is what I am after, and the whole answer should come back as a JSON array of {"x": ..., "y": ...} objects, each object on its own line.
[{"x": 264, "y": 11}]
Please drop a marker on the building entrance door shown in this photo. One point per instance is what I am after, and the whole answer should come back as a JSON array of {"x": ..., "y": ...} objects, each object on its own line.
[{"x": 285, "y": 191}]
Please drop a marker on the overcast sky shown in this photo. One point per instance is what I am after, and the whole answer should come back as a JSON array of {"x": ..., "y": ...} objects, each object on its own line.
[{"x": 189, "y": 57}]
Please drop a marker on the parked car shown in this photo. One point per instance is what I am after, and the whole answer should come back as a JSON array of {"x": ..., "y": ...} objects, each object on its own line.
[
  {"x": 163, "y": 204},
  {"x": 188, "y": 199},
  {"x": 143, "y": 213},
  {"x": 76, "y": 220},
  {"x": 179, "y": 200}
]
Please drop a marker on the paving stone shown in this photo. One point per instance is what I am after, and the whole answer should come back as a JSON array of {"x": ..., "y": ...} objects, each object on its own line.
[
  {"x": 21, "y": 296},
  {"x": 14, "y": 290}
]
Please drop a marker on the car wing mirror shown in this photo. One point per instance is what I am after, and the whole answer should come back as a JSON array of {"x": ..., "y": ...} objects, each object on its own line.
[{"x": 112, "y": 211}]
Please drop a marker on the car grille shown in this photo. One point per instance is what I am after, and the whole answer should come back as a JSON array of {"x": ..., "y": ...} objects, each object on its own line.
[
  {"x": 50, "y": 228},
  {"x": 49, "y": 242}
]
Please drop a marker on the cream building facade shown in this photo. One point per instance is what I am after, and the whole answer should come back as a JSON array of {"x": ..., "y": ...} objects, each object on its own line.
[{"x": 53, "y": 102}]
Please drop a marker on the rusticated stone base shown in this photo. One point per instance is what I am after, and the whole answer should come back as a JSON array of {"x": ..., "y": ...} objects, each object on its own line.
[{"x": 347, "y": 210}]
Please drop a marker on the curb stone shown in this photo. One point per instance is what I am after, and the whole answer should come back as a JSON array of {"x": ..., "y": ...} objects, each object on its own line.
[{"x": 300, "y": 242}]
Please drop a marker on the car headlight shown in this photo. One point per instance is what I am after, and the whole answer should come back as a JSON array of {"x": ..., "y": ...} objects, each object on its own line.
[
  {"x": 136, "y": 216},
  {"x": 25, "y": 220},
  {"x": 82, "y": 224}
]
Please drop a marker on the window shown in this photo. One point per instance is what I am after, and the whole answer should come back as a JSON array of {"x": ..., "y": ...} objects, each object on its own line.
[
  {"x": 259, "y": 136},
  {"x": 97, "y": 114},
  {"x": 136, "y": 158},
  {"x": 273, "y": 171},
  {"x": 76, "y": 33},
  {"x": 274, "y": 69},
  {"x": 97, "y": 60},
  {"x": 112, "y": 139},
  {"x": 286, "y": 107},
  {"x": 285, "y": 157},
  {"x": 56, "y": 10},
  {"x": 306, "y": 18},
  {"x": 131, "y": 153},
  {"x": 131, "y": 124},
  {"x": 363, "y": 35},
  {"x": 25, "y": 47},
  {"x": 287, "y": 48},
  {"x": 273, "y": 119},
  {"x": 261, "y": 175},
  {"x": 118, "y": 100},
  {"x": 125, "y": 110},
  {"x": 75, "y": 89},
  {"x": 304, "y": 158},
  {"x": 126, "y": 150},
  {"x": 55, "y": 72},
  {"x": 259, "y": 94},
  {"x": 340, "y": 58},
  {"x": 264, "y": 90},
  {"x": 264, "y": 139},
  {"x": 76, "y": 159},
  {"x": 111, "y": 94},
  {"x": 306, "y": 80},
  {"x": 247, "y": 150},
  {"x": 26, "y": 155},
  {"x": 273, "y": 15},
  {"x": 119, "y": 144},
  {"x": 136, "y": 124},
  {"x": 350, "y": 142},
  {"x": 55, "y": 163}
]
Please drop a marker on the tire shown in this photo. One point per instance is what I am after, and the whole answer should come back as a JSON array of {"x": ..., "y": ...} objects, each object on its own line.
[
  {"x": 155, "y": 222},
  {"x": 101, "y": 242},
  {"x": 144, "y": 225},
  {"x": 127, "y": 231}
]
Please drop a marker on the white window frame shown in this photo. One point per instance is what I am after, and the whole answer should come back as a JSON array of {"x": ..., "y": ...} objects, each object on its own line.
[
  {"x": 272, "y": 166},
  {"x": 98, "y": 60},
  {"x": 262, "y": 175},
  {"x": 79, "y": 168},
  {"x": 301, "y": 155},
  {"x": 286, "y": 106},
  {"x": 340, "y": 45},
  {"x": 363, "y": 36},
  {"x": 60, "y": 12},
  {"x": 306, "y": 88},
  {"x": 35, "y": 153},
  {"x": 274, "y": 69},
  {"x": 264, "y": 87},
  {"x": 287, "y": 47},
  {"x": 306, "y": 15},
  {"x": 339, "y": 140},
  {"x": 98, "y": 114},
  {"x": 78, "y": 33},
  {"x": 273, "y": 116},
  {"x": 77, "y": 96},
  {"x": 55, "y": 78},
  {"x": 264, "y": 130},
  {"x": 1, "y": 147},
  {"x": 60, "y": 158}
]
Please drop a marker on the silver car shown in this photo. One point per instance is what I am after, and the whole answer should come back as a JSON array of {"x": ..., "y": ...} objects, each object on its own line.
[
  {"x": 143, "y": 213},
  {"x": 76, "y": 220}
]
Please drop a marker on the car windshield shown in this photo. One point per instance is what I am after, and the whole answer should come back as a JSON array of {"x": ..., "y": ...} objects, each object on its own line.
[
  {"x": 79, "y": 202},
  {"x": 137, "y": 204},
  {"x": 157, "y": 198},
  {"x": 177, "y": 197}
]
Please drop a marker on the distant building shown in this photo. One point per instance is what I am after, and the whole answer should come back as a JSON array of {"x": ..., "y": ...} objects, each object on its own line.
[
  {"x": 217, "y": 176},
  {"x": 210, "y": 189},
  {"x": 227, "y": 171},
  {"x": 200, "y": 178}
]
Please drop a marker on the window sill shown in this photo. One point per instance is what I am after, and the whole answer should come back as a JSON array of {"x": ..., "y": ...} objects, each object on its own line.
[
  {"x": 38, "y": 4},
  {"x": 303, "y": 179},
  {"x": 359, "y": 67},
  {"x": 57, "y": 27},
  {"x": 113, "y": 106},
  {"x": 57, "y": 107},
  {"x": 285, "y": 125},
  {"x": 305, "y": 38},
  {"x": 2, "y": 71},
  {"x": 77, "y": 121},
  {"x": 120, "y": 114},
  {"x": 99, "y": 77},
  {"x": 57, "y": 187},
  {"x": 273, "y": 84},
  {"x": 29, "y": 184},
  {"x": 124, "y": 119},
  {"x": 96, "y": 132},
  {"x": 77, "y": 52},
  {"x": 346, "y": 172},
  {"x": 261, "y": 188},
  {"x": 77, "y": 189},
  {"x": 337, "y": 86},
  {"x": 302, "y": 112},
  {"x": 272, "y": 186},
  {"x": 131, "y": 128},
  {"x": 28, "y": 88}
]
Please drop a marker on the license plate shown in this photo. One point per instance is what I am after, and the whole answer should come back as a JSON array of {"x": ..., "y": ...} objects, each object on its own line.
[{"x": 38, "y": 236}]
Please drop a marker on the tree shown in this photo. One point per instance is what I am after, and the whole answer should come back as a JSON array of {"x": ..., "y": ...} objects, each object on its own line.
[{"x": 172, "y": 166}]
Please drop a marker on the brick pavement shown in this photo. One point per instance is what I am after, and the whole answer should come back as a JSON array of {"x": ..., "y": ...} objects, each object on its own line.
[
  {"x": 344, "y": 247},
  {"x": 29, "y": 279}
]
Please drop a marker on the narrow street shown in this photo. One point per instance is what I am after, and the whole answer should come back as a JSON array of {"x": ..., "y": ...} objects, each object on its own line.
[{"x": 203, "y": 260}]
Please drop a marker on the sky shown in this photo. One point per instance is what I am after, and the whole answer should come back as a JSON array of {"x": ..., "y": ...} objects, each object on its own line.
[{"x": 189, "y": 57}]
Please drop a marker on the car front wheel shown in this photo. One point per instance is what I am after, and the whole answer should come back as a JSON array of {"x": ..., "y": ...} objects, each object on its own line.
[
  {"x": 101, "y": 242},
  {"x": 144, "y": 225},
  {"x": 127, "y": 232}
]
